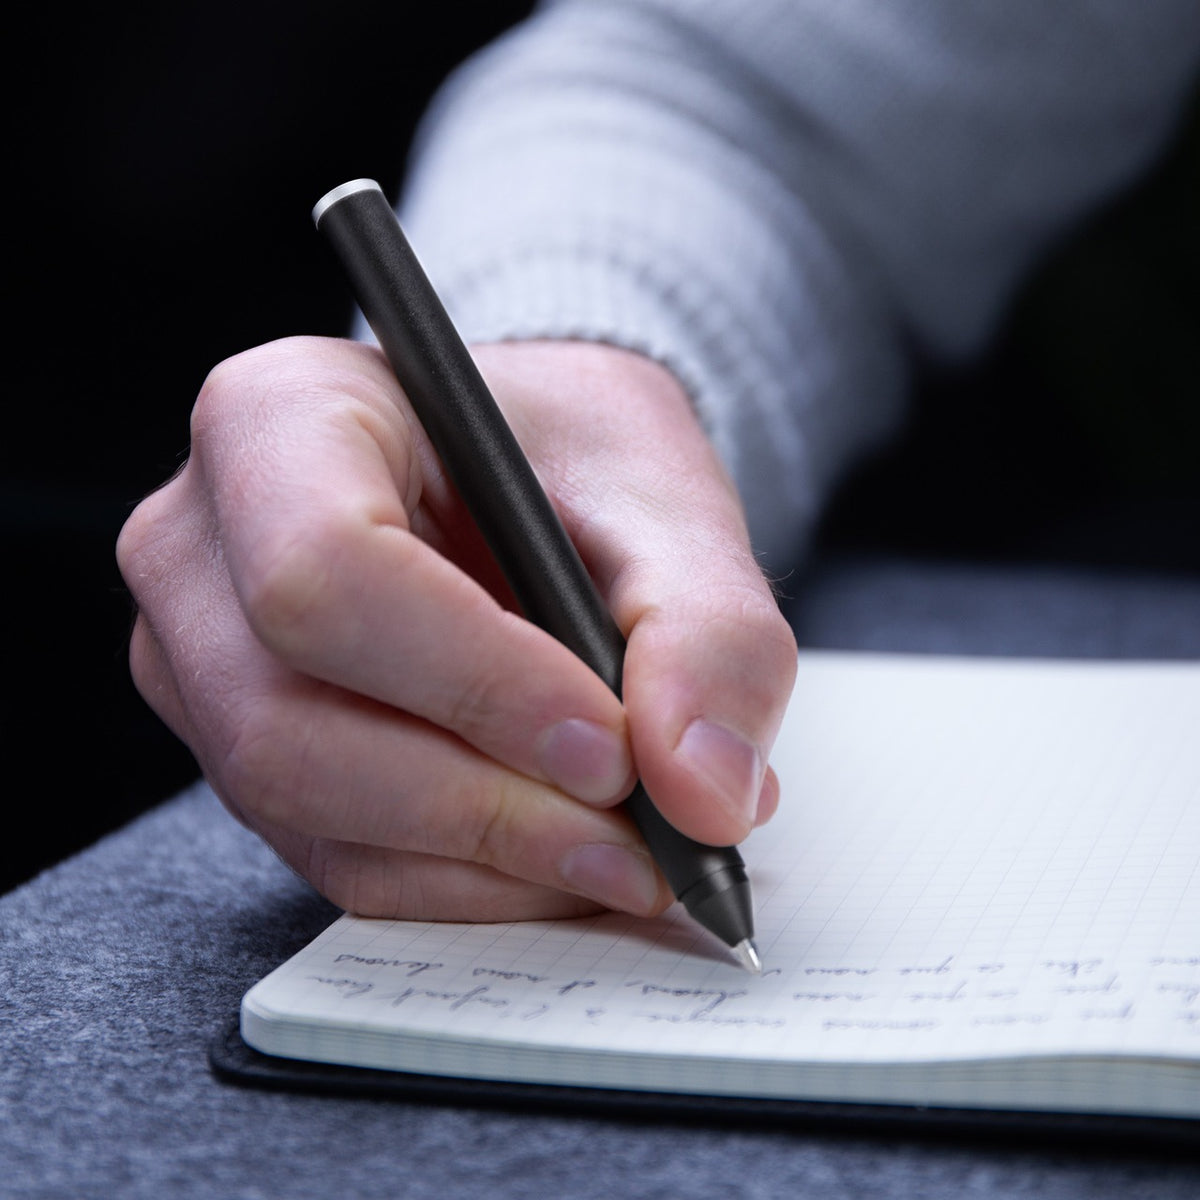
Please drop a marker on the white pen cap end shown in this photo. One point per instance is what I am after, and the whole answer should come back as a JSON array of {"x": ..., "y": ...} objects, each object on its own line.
[{"x": 340, "y": 193}]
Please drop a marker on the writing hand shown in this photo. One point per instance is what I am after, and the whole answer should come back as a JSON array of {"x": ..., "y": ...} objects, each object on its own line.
[{"x": 319, "y": 621}]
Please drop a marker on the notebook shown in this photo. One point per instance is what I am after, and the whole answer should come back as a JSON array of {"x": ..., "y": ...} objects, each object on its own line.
[{"x": 981, "y": 892}]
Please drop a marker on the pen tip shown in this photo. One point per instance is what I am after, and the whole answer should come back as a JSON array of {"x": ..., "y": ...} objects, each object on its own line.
[{"x": 748, "y": 956}]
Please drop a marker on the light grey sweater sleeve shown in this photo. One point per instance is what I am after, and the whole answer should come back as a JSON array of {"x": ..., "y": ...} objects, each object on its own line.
[{"x": 784, "y": 200}]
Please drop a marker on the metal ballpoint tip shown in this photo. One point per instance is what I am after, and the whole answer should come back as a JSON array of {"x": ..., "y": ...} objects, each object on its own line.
[{"x": 747, "y": 955}]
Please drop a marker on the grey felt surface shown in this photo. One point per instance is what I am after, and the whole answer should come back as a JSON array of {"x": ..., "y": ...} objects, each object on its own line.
[{"x": 121, "y": 964}]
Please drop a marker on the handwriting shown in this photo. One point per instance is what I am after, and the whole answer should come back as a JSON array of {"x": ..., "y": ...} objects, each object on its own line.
[
  {"x": 413, "y": 968},
  {"x": 955, "y": 993},
  {"x": 1108, "y": 1014},
  {"x": 853, "y": 997},
  {"x": 711, "y": 996},
  {"x": 1075, "y": 989},
  {"x": 454, "y": 1000},
  {"x": 703, "y": 1011},
  {"x": 707, "y": 1017},
  {"x": 567, "y": 988},
  {"x": 942, "y": 992},
  {"x": 1073, "y": 967},
  {"x": 1188, "y": 992},
  {"x": 840, "y": 970},
  {"x": 347, "y": 987},
  {"x": 496, "y": 973},
  {"x": 940, "y": 969}
]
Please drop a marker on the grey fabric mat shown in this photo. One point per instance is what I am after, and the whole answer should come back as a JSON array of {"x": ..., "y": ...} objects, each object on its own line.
[{"x": 120, "y": 965}]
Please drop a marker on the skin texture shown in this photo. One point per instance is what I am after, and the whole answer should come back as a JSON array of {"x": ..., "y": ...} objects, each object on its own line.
[{"x": 319, "y": 621}]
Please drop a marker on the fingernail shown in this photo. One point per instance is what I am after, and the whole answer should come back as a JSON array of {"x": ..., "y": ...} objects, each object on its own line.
[
  {"x": 768, "y": 799},
  {"x": 613, "y": 875},
  {"x": 586, "y": 760},
  {"x": 728, "y": 763}
]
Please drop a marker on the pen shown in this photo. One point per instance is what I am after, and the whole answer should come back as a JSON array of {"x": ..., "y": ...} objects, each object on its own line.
[{"x": 506, "y": 501}]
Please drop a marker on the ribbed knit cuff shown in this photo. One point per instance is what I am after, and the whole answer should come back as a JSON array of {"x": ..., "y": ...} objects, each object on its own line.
[{"x": 543, "y": 211}]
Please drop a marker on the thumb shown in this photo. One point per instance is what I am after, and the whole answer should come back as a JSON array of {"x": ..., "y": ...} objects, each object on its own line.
[
  {"x": 710, "y": 660},
  {"x": 708, "y": 672}
]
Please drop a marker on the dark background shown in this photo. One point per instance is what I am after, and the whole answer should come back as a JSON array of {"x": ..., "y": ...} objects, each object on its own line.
[{"x": 166, "y": 159}]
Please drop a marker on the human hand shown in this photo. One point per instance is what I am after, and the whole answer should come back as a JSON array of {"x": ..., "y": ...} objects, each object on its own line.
[{"x": 320, "y": 622}]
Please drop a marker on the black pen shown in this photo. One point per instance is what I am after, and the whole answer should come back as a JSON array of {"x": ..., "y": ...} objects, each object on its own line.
[{"x": 502, "y": 493}]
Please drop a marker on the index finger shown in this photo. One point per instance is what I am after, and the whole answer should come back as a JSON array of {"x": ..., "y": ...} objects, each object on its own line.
[{"x": 320, "y": 476}]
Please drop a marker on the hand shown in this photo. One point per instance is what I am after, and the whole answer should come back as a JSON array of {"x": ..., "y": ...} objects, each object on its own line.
[{"x": 320, "y": 622}]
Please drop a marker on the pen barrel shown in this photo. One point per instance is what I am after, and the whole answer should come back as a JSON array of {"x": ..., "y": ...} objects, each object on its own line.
[
  {"x": 508, "y": 504},
  {"x": 467, "y": 429}
]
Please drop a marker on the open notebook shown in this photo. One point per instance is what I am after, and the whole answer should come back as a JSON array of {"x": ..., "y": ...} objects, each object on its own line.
[{"x": 982, "y": 890}]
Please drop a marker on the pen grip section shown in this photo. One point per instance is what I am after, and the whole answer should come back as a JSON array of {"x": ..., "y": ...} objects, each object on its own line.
[{"x": 710, "y": 881}]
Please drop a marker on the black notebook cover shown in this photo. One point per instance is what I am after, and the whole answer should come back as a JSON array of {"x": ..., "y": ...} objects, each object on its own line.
[{"x": 233, "y": 1061}]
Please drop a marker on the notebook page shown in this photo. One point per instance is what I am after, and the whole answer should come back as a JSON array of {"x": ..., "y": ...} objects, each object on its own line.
[{"x": 973, "y": 859}]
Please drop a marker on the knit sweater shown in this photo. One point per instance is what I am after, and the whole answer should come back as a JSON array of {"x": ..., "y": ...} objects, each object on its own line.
[{"x": 785, "y": 201}]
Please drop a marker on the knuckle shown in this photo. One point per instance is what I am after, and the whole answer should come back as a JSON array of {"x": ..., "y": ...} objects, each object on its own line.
[
  {"x": 476, "y": 700},
  {"x": 774, "y": 636},
  {"x": 473, "y": 706},
  {"x": 263, "y": 766},
  {"x": 292, "y": 585},
  {"x": 223, "y": 394},
  {"x": 145, "y": 664},
  {"x": 749, "y": 615},
  {"x": 355, "y": 878},
  {"x": 768, "y": 647},
  {"x": 495, "y": 831},
  {"x": 146, "y": 543}
]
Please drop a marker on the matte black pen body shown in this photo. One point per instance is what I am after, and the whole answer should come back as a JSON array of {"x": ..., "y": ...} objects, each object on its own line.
[{"x": 510, "y": 507}]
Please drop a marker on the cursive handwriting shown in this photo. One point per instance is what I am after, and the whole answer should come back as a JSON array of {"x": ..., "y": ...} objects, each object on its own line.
[
  {"x": 944, "y": 991},
  {"x": 346, "y": 987},
  {"x": 412, "y": 968}
]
